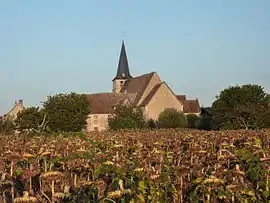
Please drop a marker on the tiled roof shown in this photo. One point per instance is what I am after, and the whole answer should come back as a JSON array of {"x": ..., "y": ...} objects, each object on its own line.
[
  {"x": 151, "y": 94},
  {"x": 102, "y": 103},
  {"x": 191, "y": 106},
  {"x": 137, "y": 86},
  {"x": 181, "y": 97}
]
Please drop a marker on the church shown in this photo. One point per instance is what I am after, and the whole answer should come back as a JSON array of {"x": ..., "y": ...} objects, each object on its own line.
[{"x": 146, "y": 91}]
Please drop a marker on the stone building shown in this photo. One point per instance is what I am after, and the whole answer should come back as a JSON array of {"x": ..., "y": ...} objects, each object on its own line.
[
  {"x": 146, "y": 91},
  {"x": 12, "y": 114}
]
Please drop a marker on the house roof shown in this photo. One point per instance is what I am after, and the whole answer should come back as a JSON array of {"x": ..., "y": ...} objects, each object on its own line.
[
  {"x": 191, "y": 106},
  {"x": 123, "y": 67},
  {"x": 181, "y": 97},
  {"x": 102, "y": 103},
  {"x": 137, "y": 86}
]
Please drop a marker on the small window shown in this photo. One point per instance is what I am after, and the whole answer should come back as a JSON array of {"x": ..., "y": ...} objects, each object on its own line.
[
  {"x": 95, "y": 119},
  {"x": 121, "y": 82}
]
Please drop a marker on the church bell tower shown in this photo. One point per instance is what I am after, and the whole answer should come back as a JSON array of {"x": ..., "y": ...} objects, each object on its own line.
[{"x": 123, "y": 73}]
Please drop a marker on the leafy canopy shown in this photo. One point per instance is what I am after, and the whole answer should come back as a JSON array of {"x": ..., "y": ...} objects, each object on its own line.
[
  {"x": 242, "y": 107},
  {"x": 29, "y": 118},
  {"x": 67, "y": 112},
  {"x": 126, "y": 116},
  {"x": 205, "y": 120},
  {"x": 171, "y": 118}
]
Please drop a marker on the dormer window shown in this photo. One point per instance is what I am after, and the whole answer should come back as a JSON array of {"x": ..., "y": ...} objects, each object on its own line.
[{"x": 123, "y": 75}]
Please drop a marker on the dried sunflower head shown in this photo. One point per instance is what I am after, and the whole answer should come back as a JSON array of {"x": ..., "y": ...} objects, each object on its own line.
[
  {"x": 115, "y": 194},
  {"x": 59, "y": 195},
  {"x": 25, "y": 199},
  {"x": 28, "y": 156},
  {"x": 85, "y": 183},
  {"x": 52, "y": 175},
  {"x": 12, "y": 156}
]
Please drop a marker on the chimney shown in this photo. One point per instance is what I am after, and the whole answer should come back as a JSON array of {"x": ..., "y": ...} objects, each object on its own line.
[{"x": 20, "y": 102}]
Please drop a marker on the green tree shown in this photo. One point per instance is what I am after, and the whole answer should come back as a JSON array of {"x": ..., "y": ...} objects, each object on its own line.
[
  {"x": 67, "y": 112},
  {"x": 126, "y": 117},
  {"x": 171, "y": 118},
  {"x": 29, "y": 119},
  {"x": 242, "y": 107},
  {"x": 7, "y": 126},
  {"x": 192, "y": 120},
  {"x": 205, "y": 120}
]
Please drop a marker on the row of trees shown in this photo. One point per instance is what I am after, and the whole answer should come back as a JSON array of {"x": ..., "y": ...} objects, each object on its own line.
[
  {"x": 128, "y": 117},
  {"x": 236, "y": 107},
  {"x": 61, "y": 112}
]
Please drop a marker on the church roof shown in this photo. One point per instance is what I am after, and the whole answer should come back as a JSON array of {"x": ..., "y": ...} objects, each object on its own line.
[
  {"x": 123, "y": 67},
  {"x": 151, "y": 94},
  {"x": 137, "y": 85},
  {"x": 103, "y": 103}
]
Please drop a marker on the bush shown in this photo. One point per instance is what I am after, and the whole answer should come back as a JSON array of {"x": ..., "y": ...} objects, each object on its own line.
[
  {"x": 171, "y": 118},
  {"x": 205, "y": 120},
  {"x": 29, "y": 119},
  {"x": 7, "y": 126},
  {"x": 67, "y": 112},
  {"x": 126, "y": 117},
  {"x": 151, "y": 124},
  {"x": 192, "y": 120}
]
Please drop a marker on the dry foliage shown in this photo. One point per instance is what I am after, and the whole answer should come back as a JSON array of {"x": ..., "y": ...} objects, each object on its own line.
[{"x": 145, "y": 166}]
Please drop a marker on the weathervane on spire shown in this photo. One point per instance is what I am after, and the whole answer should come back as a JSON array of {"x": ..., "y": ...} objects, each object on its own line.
[{"x": 122, "y": 35}]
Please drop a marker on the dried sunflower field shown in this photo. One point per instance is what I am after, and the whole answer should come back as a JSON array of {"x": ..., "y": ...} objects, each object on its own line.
[{"x": 147, "y": 166}]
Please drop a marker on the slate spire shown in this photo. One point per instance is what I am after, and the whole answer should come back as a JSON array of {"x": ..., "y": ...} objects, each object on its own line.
[{"x": 123, "y": 68}]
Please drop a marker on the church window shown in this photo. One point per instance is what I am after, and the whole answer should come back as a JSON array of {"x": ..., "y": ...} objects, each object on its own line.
[{"x": 95, "y": 119}]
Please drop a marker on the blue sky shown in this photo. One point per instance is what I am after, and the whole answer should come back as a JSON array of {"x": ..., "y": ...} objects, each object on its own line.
[{"x": 197, "y": 47}]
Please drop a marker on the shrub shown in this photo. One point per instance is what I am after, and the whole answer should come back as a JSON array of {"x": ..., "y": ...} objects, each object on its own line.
[
  {"x": 205, "y": 120},
  {"x": 151, "y": 124},
  {"x": 126, "y": 117},
  {"x": 171, "y": 118},
  {"x": 192, "y": 120},
  {"x": 7, "y": 126},
  {"x": 29, "y": 118}
]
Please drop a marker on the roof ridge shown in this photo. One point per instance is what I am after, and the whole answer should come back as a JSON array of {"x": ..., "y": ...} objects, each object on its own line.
[
  {"x": 143, "y": 75},
  {"x": 151, "y": 94}
]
